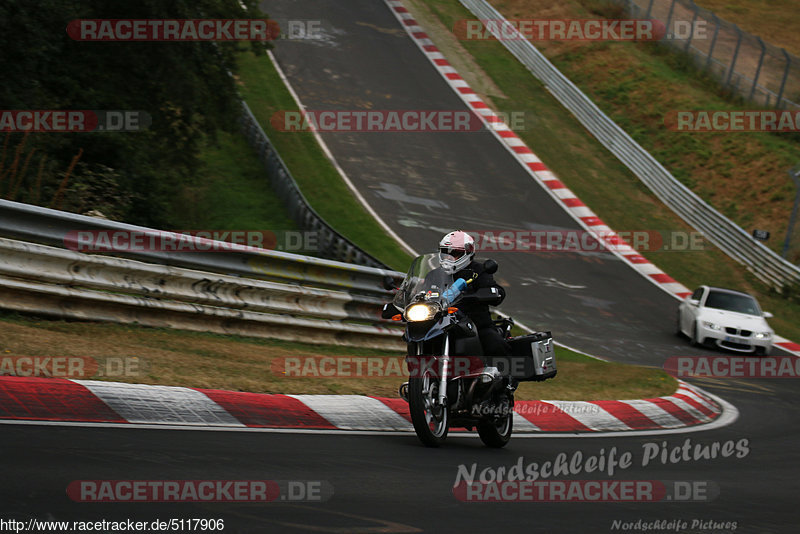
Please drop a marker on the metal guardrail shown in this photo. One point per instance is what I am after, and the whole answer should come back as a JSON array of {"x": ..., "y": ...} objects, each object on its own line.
[
  {"x": 232, "y": 289},
  {"x": 744, "y": 63},
  {"x": 45, "y": 226},
  {"x": 332, "y": 244},
  {"x": 43, "y": 279},
  {"x": 721, "y": 231}
]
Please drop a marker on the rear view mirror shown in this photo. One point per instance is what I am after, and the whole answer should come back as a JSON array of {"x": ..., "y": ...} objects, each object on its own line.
[
  {"x": 388, "y": 283},
  {"x": 490, "y": 266},
  {"x": 768, "y": 315},
  {"x": 693, "y": 302}
]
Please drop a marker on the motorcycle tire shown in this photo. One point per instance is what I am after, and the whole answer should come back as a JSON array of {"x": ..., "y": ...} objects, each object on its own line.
[
  {"x": 431, "y": 423},
  {"x": 496, "y": 434}
]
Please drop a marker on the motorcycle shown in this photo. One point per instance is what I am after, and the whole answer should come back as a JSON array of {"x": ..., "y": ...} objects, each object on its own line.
[{"x": 451, "y": 382}]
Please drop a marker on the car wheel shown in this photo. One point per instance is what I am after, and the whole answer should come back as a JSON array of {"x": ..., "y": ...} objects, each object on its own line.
[
  {"x": 678, "y": 331},
  {"x": 763, "y": 351},
  {"x": 693, "y": 338}
]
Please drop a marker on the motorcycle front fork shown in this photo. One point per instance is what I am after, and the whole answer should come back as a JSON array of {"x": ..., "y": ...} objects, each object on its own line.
[{"x": 444, "y": 370}]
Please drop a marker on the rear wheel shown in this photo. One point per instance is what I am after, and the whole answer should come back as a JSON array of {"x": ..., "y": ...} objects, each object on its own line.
[
  {"x": 430, "y": 420},
  {"x": 497, "y": 433}
]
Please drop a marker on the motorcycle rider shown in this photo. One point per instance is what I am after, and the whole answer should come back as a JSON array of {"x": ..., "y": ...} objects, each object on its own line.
[{"x": 457, "y": 257}]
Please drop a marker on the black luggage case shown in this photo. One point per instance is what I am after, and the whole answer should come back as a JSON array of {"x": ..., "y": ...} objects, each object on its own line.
[{"x": 532, "y": 357}]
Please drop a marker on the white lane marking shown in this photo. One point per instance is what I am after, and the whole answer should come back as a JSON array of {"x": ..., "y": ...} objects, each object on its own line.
[
  {"x": 538, "y": 176},
  {"x": 354, "y": 412},
  {"x": 139, "y": 403},
  {"x": 328, "y": 154}
]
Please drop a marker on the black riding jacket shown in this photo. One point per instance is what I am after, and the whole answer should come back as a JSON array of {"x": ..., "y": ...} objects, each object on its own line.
[{"x": 478, "y": 311}]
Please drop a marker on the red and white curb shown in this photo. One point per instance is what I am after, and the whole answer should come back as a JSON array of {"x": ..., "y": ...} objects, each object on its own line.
[
  {"x": 89, "y": 401},
  {"x": 539, "y": 171}
]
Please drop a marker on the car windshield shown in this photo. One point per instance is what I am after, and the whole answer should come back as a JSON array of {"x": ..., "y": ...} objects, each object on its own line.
[
  {"x": 426, "y": 280},
  {"x": 732, "y": 302}
]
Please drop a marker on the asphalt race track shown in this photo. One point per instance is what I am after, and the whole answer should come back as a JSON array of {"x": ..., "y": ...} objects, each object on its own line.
[
  {"x": 424, "y": 185},
  {"x": 386, "y": 483}
]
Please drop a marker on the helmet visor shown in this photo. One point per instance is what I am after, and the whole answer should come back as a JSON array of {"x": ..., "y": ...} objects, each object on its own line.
[{"x": 450, "y": 253}]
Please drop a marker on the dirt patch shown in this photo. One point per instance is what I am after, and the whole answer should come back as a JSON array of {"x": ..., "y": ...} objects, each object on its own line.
[{"x": 775, "y": 21}]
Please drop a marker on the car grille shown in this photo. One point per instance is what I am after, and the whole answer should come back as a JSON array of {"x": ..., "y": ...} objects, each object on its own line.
[
  {"x": 732, "y": 345},
  {"x": 737, "y": 332}
]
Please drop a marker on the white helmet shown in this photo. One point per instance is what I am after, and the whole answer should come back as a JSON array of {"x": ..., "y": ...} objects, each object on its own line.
[{"x": 456, "y": 251}]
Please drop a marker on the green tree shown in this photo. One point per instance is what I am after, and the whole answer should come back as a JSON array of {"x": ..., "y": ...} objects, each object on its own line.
[{"x": 184, "y": 86}]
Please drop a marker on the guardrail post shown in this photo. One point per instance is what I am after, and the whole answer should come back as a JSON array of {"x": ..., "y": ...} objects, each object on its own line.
[
  {"x": 713, "y": 41},
  {"x": 785, "y": 77},
  {"x": 669, "y": 19},
  {"x": 758, "y": 69},
  {"x": 795, "y": 176},
  {"x": 735, "y": 55},
  {"x": 691, "y": 33}
]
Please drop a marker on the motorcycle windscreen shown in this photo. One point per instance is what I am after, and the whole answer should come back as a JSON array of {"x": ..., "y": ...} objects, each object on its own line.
[{"x": 425, "y": 280}]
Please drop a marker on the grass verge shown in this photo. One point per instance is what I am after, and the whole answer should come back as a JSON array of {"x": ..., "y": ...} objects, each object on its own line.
[
  {"x": 636, "y": 85},
  {"x": 232, "y": 192},
  {"x": 265, "y": 93},
  {"x": 178, "y": 358},
  {"x": 776, "y": 21}
]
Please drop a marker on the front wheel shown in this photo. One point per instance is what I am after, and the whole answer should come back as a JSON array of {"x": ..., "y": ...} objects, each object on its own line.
[
  {"x": 431, "y": 421},
  {"x": 693, "y": 341},
  {"x": 497, "y": 433}
]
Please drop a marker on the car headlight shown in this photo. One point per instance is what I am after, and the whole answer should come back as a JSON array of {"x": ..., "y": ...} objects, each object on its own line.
[
  {"x": 712, "y": 326},
  {"x": 422, "y": 311},
  {"x": 763, "y": 335}
]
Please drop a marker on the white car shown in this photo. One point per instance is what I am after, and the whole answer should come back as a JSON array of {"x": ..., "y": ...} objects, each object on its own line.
[{"x": 725, "y": 318}]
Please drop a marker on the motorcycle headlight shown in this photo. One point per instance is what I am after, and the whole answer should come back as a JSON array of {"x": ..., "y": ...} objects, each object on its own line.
[
  {"x": 712, "y": 326},
  {"x": 763, "y": 335},
  {"x": 422, "y": 311}
]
